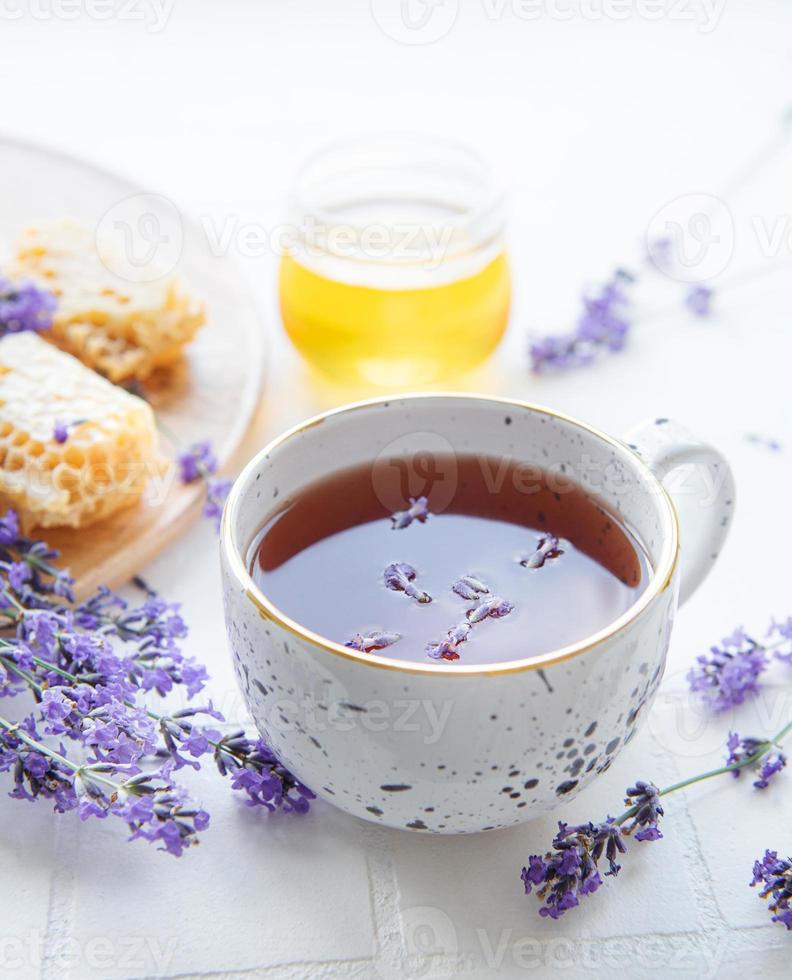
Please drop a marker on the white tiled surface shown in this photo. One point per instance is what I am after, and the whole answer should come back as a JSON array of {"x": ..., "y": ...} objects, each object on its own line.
[{"x": 594, "y": 125}]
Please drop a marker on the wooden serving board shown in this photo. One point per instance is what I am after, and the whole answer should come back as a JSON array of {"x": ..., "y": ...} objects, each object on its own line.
[{"x": 213, "y": 394}]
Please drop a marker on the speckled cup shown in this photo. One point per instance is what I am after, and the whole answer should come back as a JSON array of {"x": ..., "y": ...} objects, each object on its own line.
[{"x": 459, "y": 748}]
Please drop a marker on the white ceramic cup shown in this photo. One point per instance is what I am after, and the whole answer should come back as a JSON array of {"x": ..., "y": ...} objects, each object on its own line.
[{"x": 457, "y": 748}]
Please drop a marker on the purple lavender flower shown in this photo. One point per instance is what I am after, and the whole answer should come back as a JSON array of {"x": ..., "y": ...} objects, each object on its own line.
[
  {"x": 699, "y": 301},
  {"x": 775, "y": 875},
  {"x": 376, "y": 640},
  {"x": 494, "y": 608},
  {"x": 547, "y": 548},
  {"x": 469, "y": 587},
  {"x": 60, "y": 432},
  {"x": 148, "y": 803},
  {"x": 772, "y": 764},
  {"x": 782, "y": 634},
  {"x": 163, "y": 814},
  {"x": 645, "y": 797},
  {"x": 768, "y": 442},
  {"x": 217, "y": 489},
  {"x": 602, "y": 327},
  {"x": 256, "y": 771},
  {"x": 417, "y": 511},
  {"x": 660, "y": 252},
  {"x": 571, "y": 870},
  {"x": 9, "y": 528},
  {"x": 730, "y": 673},
  {"x": 400, "y": 577},
  {"x": 86, "y": 665},
  {"x": 197, "y": 462},
  {"x": 24, "y": 306},
  {"x": 742, "y": 749}
]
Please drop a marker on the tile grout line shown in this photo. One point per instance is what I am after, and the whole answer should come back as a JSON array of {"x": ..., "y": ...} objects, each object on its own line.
[
  {"x": 450, "y": 965},
  {"x": 390, "y": 952},
  {"x": 295, "y": 970},
  {"x": 60, "y": 909},
  {"x": 699, "y": 876}
]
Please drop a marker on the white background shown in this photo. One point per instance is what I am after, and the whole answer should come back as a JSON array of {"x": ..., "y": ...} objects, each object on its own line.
[{"x": 594, "y": 124}]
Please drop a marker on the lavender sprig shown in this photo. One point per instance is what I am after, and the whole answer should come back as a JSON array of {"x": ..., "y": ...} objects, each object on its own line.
[
  {"x": 570, "y": 871},
  {"x": 602, "y": 326},
  {"x": 731, "y": 671},
  {"x": 149, "y": 803},
  {"x": 86, "y": 665},
  {"x": 25, "y": 306}
]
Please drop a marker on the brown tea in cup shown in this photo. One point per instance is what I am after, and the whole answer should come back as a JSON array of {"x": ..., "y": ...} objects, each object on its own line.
[{"x": 487, "y": 560}]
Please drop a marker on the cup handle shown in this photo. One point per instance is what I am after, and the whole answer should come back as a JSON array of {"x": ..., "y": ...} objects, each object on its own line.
[{"x": 701, "y": 485}]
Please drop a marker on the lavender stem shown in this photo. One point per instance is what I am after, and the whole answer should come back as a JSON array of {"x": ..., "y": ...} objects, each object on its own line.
[{"x": 765, "y": 747}]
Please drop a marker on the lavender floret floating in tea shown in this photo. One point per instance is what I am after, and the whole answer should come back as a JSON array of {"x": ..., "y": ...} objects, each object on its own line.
[
  {"x": 86, "y": 665},
  {"x": 417, "y": 511},
  {"x": 400, "y": 577},
  {"x": 376, "y": 640},
  {"x": 494, "y": 608},
  {"x": 469, "y": 587},
  {"x": 546, "y": 550},
  {"x": 446, "y": 649}
]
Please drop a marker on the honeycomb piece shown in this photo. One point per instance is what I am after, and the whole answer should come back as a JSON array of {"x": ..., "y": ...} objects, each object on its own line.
[
  {"x": 111, "y": 445},
  {"x": 123, "y": 329}
]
